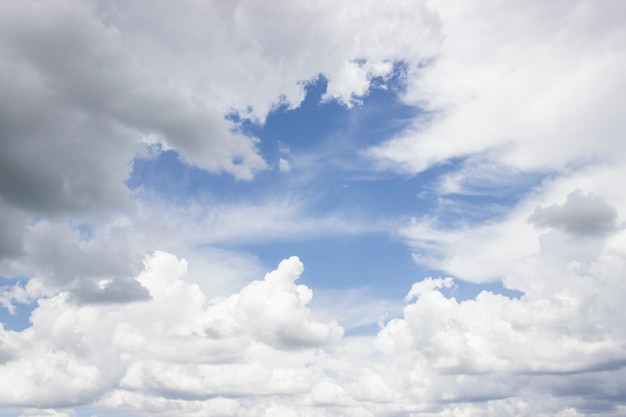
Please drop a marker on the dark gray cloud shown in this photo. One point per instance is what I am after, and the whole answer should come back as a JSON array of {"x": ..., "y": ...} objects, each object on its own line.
[
  {"x": 57, "y": 153},
  {"x": 581, "y": 215},
  {"x": 75, "y": 104}
]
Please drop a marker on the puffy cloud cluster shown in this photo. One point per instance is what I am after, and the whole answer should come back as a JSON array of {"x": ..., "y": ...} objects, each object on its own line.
[
  {"x": 260, "y": 351},
  {"x": 561, "y": 338},
  {"x": 176, "y": 344}
]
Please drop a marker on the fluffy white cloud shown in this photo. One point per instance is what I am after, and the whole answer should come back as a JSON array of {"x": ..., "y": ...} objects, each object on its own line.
[
  {"x": 177, "y": 343},
  {"x": 493, "y": 346},
  {"x": 259, "y": 350}
]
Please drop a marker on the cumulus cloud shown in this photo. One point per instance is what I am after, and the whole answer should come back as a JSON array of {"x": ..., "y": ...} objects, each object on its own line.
[
  {"x": 490, "y": 347},
  {"x": 259, "y": 350},
  {"x": 177, "y": 344},
  {"x": 260, "y": 309}
]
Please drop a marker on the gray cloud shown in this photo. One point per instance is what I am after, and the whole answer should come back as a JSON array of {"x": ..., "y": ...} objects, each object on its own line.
[
  {"x": 117, "y": 290},
  {"x": 582, "y": 215},
  {"x": 12, "y": 229},
  {"x": 95, "y": 270},
  {"x": 57, "y": 154},
  {"x": 74, "y": 106}
]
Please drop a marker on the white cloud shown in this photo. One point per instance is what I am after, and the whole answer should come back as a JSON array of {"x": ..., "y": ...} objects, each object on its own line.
[
  {"x": 475, "y": 253},
  {"x": 259, "y": 309},
  {"x": 538, "y": 83},
  {"x": 177, "y": 342},
  {"x": 492, "y": 346},
  {"x": 260, "y": 349},
  {"x": 575, "y": 211}
]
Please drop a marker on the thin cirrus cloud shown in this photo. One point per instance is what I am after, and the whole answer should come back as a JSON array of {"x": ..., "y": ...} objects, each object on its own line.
[{"x": 157, "y": 158}]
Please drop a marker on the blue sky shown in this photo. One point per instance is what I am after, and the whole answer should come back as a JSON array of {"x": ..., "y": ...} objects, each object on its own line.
[
  {"x": 323, "y": 142},
  {"x": 254, "y": 209}
]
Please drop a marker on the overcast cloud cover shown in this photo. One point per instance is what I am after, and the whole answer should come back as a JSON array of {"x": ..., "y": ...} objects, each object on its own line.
[{"x": 312, "y": 208}]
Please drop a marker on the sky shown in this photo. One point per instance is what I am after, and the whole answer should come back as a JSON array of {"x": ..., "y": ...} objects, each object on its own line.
[{"x": 245, "y": 208}]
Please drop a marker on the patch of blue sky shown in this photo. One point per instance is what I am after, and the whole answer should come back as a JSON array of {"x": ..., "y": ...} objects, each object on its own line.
[
  {"x": 478, "y": 200},
  {"x": 371, "y": 261},
  {"x": 9, "y": 412},
  {"x": 19, "y": 319},
  {"x": 317, "y": 124},
  {"x": 322, "y": 141},
  {"x": 85, "y": 231},
  {"x": 326, "y": 128}
]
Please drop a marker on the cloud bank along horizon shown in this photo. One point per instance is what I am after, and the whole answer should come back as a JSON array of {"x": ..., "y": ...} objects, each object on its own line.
[{"x": 250, "y": 209}]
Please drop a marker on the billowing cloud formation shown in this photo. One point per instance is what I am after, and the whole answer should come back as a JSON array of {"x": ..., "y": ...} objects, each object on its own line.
[
  {"x": 176, "y": 343},
  {"x": 259, "y": 351}
]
